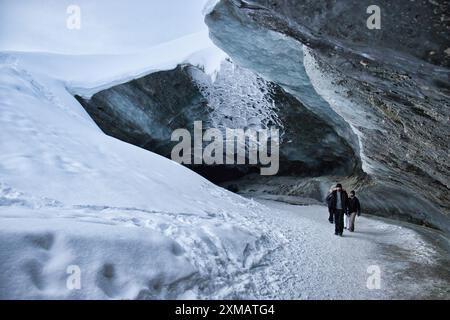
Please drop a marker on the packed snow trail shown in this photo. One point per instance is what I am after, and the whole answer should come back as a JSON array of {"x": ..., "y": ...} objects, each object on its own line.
[{"x": 315, "y": 264}]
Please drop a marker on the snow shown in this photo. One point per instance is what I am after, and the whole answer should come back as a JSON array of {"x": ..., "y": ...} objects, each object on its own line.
[
  {"x": 86, "y": 75},
  {"x": 44, "y": 253},
  {"x": 136, "y": 224},
  {"x": 313, "y": 263},
  {"x": 86, "y": 199},
  {"x": 110, "y": 47}
]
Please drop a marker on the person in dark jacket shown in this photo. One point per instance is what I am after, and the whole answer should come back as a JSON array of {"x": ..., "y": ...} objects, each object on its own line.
[
  {"x": 330, "y": 210},
  {"x": 338, "y": 202},
  {"x": 354, "y": 209}
]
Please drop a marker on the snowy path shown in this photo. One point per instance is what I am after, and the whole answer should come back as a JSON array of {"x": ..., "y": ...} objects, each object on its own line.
[{"x": 315, "y": 264}]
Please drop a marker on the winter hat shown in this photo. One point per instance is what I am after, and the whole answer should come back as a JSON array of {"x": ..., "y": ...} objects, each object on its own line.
[{"x": 339, "y": 185}]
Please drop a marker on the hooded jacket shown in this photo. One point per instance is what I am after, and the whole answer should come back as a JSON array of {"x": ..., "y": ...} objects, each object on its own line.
[{"x": 354, "y": 206}]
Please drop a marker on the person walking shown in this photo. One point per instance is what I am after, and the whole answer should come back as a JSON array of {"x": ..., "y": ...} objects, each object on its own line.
[
  {"x": 338, "y": 201},
  {"x": 330, "y": 209},
  {"x": 354, "y": 209}
]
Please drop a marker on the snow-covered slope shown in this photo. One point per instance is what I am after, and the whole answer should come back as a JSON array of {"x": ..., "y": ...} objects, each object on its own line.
[
  {"x": 71, "y": 195},
  {"x": 136, "y": 224}
]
